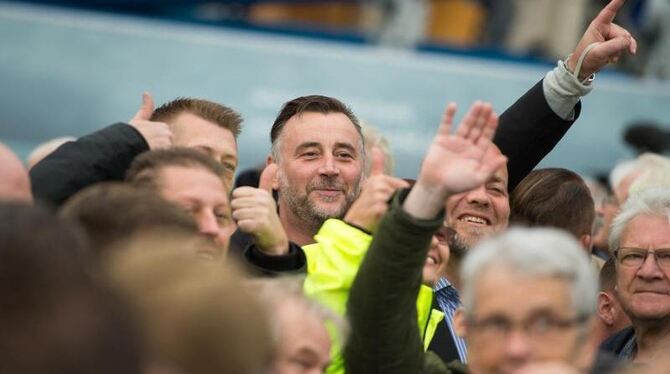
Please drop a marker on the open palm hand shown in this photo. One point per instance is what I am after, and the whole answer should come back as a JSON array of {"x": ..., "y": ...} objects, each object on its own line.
[{"x": 463, "y": 160}]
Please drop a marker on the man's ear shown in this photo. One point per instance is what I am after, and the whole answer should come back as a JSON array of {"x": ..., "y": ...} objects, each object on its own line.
[
  {"x": 604, "y": 309},
  {"x": 586, "y": 241},
  {"x": 460, "y": 323}
]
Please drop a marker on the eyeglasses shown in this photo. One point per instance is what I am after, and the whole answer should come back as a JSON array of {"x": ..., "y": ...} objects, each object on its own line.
[
  {"x": 635, "y": 257},
  {"x": 539, "y": 328}
]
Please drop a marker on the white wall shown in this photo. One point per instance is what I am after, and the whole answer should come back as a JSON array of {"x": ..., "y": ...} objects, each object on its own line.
[{"x": 66, "y": 72}]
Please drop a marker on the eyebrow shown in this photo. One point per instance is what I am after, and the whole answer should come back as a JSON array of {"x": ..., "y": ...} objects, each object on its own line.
[
  {"x": 210, "y": 152},
  {"x": 307, "y": 145},
  {"x": 495, "y": 179},
  {"x": 347, "y": 146}
]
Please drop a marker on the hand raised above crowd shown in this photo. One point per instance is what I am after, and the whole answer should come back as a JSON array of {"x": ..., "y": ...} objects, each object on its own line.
[
  {"x": 255, "y": 211},
  {"x": 458, "y": 162},
  {"x": 157, "y": 134},
  {"x": 609, "y": 41}
]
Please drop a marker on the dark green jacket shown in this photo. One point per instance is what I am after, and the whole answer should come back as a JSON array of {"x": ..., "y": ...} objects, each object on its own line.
[{"x": 385, "y": 335}]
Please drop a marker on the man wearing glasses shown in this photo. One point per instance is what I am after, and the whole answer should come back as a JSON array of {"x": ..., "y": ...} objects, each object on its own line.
[{"x": 640, "y": 238}]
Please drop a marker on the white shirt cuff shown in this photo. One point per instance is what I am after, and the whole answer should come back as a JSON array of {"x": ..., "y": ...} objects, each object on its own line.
[{"x": 562, "y": 90}]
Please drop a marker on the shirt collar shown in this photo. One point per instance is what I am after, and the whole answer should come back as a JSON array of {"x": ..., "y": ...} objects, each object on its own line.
[{"x": 441, "y": 283}]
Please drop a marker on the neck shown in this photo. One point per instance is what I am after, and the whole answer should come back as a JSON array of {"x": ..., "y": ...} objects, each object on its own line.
[
  {"x": 651, "y": 338},
  {"x": 297, "y": 230}
]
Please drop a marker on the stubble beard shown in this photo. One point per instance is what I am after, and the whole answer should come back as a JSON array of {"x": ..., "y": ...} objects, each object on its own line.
[
  {"x": 458, "y": 245},
  {"x": 306, "y": 210}
]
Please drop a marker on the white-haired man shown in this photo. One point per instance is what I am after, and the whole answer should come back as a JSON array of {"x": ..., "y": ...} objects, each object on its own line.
[{"x": 640, "y": 240}]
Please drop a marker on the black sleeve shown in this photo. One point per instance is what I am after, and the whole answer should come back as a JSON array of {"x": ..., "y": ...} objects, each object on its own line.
[
  {"x": 264, "y": 265},
  {"x": 528, "y": 131},
  {"x": 104, "y": 155}
]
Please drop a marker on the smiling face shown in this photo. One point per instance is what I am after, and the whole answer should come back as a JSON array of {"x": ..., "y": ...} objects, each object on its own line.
[
  {"x": 437, "y": 258},
  {"x": 320, "y": 169},
  {"x": 480, "y": 212},
  {"x": 644, "y": 291},
  {"x": 203, "y": 195}
]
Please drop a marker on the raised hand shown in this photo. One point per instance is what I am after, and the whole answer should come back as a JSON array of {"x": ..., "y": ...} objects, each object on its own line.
[
  {"x": 372, "y": 203},
  {"x": 255, "y": 211},
  {"x": 156, "y": 134},
  {"x": 457, "y": 162},
  {"x": 610, "y": 39}
]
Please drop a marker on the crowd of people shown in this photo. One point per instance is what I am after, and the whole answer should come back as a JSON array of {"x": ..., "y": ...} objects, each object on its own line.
[{"x": 134, "y": 250}]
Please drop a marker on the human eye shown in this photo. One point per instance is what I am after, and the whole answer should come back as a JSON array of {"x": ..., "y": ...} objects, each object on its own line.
[
  {"x": 229, "y": 167},
  {"x": 309, "y": 154},
  {"x": 632, "y": 257},
  {"x": 189, "y": 208},
  {"x": 496, "y": 188},
  {"x": 222, "y": 216},
  {"x": 344, "y": 155},
  {"x": 663, "y": 257},
  {"x": 494, "y": 326},
  {"x": 542, "y": 325},
  {"x": 304, "y": 363}
]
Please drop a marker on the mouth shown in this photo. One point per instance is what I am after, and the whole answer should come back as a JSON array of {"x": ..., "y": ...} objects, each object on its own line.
[
  {"x": 431, "y": 260},
  {"x": 656, "y": 292},
  {"x": 327, "y": 191},
  {"x": 475, "y": 219}
]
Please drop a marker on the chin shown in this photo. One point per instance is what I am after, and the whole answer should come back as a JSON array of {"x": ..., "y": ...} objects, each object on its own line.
[{"x": 651, "y": 313}]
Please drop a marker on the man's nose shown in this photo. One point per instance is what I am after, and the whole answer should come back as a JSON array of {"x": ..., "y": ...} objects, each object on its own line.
[
  {"x": 649, "y": 270},
  {"x": 517, "y": 346},
  {"x": 329, "y": 167},
  {"x": 478, "y": 196},
  {"x": 208, "y": 224}
]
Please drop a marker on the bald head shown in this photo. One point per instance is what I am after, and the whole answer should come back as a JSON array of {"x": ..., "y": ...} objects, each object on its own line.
[{"x": 14, "y": 180}]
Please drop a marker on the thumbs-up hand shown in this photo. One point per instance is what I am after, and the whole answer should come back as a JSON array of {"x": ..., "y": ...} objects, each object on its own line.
[
  {"x": 255, "y": 211},
  {"x": 377, "y": 158},
  {"x": 372, "y": 203},
  {"x": 156, "y": 134}
]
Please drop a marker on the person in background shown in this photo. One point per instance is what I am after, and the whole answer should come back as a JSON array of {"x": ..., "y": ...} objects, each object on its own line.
[
  {"x": 640, "y": 241},
  {"x": 44, "y": 149},
  {"x": 611, "y": 317},
  {"x": 14, "y": 180},
  {"x": 193, "y": 181},
  {"x": 112, "y": 212},
  {"x": 106, "y": 154}
]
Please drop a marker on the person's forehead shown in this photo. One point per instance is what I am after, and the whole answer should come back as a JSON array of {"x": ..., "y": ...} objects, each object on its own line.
[
  {"x": 185, "y": 178},
  {"x": 532, "y": 293},
  {"x": 320, "y": 128},
  {"x": 647, "y": 230},
  {"x": 193, "y": 131}
]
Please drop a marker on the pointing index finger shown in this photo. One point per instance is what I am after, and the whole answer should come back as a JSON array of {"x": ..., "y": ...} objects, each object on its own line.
[{"x": 608, "y": 13}]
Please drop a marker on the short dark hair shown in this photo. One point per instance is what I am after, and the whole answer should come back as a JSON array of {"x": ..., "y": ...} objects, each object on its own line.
[
  {"x": 112, "y": 212},
  {"x": 312, "y": 103},
  {"x": 54, "y": 316},
  {"x": 216, "y": 113},
  {"x": 553, "y": 197},
  {"x": 607, "y": 277},
  {"x": 144, "y": 170}
]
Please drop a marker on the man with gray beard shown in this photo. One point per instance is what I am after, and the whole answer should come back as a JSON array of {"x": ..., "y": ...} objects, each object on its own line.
[{"x": 318, "y": 147}]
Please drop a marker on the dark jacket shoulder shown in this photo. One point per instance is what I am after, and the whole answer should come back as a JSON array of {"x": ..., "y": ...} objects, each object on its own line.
[{"x": 104, "y": 155}]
